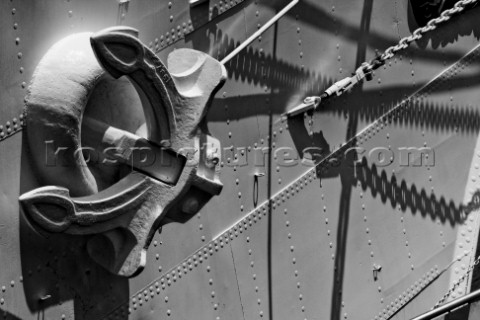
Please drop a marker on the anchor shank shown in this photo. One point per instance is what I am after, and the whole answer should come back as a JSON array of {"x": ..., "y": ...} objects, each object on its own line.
[{"x": 127, "y": 148}]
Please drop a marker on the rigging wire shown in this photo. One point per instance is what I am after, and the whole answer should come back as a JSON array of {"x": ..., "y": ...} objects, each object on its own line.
[
  {"x": 438, "y": 309},
  {"x": 259, "y": 32}
]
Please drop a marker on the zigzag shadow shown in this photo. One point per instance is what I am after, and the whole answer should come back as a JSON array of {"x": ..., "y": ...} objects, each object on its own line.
[
  {"x": 254, "y": 67},
  {"x": 340, "y": 163},
  {"x": 425, "y": 114}
]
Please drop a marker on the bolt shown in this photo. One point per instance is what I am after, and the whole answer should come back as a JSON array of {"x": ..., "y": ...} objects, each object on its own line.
[
  {"x": 212, "y": 160},
  {"x": 191, "y": 205},
  {"x": 45, "y": 297},
  {"x": 165, "y": 143}
]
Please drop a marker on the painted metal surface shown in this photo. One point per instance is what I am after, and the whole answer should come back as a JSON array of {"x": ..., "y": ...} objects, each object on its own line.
[{"x": 371, "y": 239}]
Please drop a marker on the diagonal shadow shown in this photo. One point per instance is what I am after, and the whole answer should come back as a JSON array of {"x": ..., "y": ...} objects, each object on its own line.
[
  {"x": 346, "y": 178},
  {"x": 10, "y": 316}
]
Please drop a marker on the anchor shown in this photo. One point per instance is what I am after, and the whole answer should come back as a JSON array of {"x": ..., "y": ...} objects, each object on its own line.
[{"x": 123, "y": 217}]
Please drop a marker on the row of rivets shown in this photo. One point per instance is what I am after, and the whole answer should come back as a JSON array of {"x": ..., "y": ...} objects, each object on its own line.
[
  {"x": 296, "y": 273},
  {"x": 4, "y": 289},
  {"x": 404, "y": 298},
  {"x": 178, "y": 33},
  {"x": 327, "y": 227},
  {"x": 171, "y": 36},
  {"x": 254, "y": 277},
  {"x": 451, "y": 291},
  {"x": 11, "y": 127},
  {"x": 212, "y": 294},
  {"x": 368, "y": 234},
  {"x": 404, "y": 231},
  {"x": 17, "y": 43}
]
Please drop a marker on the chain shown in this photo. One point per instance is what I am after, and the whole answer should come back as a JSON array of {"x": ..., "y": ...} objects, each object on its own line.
[
  {"x": 418, "y": 34},
  {"x": 367, "y": 68},
  {"x": 457, "y": 283}
]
